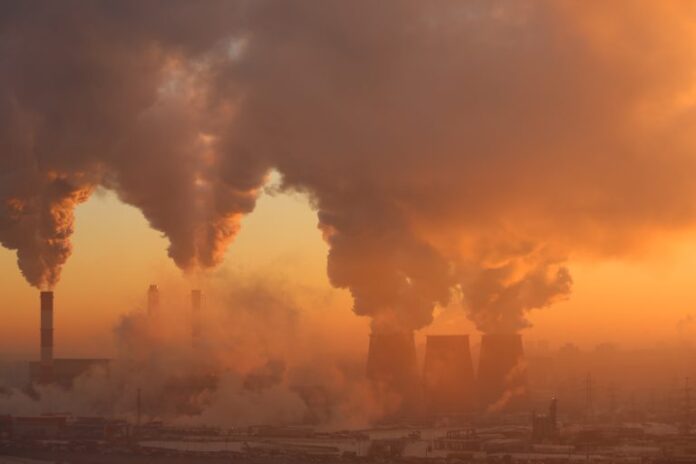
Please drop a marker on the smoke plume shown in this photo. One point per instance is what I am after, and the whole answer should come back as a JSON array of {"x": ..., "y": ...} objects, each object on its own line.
[
  {"x": 39, "y": 226},
  {"x": 500, "y": 288},
  {"x": 257, "y": 363},
  {"x": 104, "y": 94},
  {"x": 437, "y": 140}
]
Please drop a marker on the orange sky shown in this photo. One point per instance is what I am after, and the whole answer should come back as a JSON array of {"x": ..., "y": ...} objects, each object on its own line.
[{"x": 632, "y": 302}]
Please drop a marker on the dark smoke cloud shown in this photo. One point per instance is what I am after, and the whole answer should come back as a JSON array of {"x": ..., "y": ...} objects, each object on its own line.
[
  {"x": 105, "y": 93},
  {"x": 424, "y": 129},
  {"x": 437, "y": 140}
]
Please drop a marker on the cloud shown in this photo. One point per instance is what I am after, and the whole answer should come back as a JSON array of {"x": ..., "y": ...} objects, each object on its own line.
[{"x": 435, "y": 139}]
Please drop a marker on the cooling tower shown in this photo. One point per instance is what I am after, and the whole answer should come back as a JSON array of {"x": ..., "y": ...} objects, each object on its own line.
[
  {"x": 393, "y": 372},
  {"x": 153, "y": 300},
  {"x": 46, "y": 364},
  {"x": 448, "y": 375},
  {"x": 502, "y": 374},
  {"x": 196, "y": 304}
]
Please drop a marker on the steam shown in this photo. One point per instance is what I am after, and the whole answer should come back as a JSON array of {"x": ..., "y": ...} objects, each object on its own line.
[
  {"x": 515, "y": 388},
  {"x": 253, "y": 365},
  {"x": 419, "y": 130},
  {"x": 503, "y": 287}
]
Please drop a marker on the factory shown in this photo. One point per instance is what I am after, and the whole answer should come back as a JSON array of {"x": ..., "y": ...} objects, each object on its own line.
[
  {"x": 448, "y": 386},
  {"x": 449, "y": 407},
  {"x": 51, "y": 370},
  {"x": 448, "y": 375}
]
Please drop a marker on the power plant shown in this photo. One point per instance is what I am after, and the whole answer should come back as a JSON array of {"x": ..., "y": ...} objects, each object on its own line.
[
  {"x": 448, "y": 385},
  {"x": 51, "y": 370},
  {"x": 502, "y": 373},
  {"x": 477, "y": 414},
  {"x": 392, "y": 368},
  {"x": 448, "y": 375}
]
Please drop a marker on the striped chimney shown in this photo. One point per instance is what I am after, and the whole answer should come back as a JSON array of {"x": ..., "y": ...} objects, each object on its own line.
[{"x": 46, "y": 364}]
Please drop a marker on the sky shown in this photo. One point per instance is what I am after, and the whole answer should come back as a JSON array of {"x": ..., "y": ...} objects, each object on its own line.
[
  {"x": 437, "y": 167},
  {"x": 635, "y": 303}
]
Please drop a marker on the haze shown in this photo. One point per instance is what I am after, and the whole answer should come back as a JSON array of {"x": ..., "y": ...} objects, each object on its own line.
[{"x": 248, "y": 205}]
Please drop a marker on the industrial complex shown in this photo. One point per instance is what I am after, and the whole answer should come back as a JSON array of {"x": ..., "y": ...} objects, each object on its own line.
[{"x": 447, "y": 408}]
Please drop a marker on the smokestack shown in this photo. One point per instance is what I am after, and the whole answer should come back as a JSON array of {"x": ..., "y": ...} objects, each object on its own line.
[
  {"x": 153, "y": 300},
  {"x": 392, "y": 369},
  {"x": 502, "y": 374},
  {"x": 448, "y": 375},
  {"x": 46, "y": 363},
  {"x": 196, "y": 303}
]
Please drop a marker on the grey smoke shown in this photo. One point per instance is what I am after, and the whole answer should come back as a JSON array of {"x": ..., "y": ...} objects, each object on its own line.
[{"x": 417, "y": 129}]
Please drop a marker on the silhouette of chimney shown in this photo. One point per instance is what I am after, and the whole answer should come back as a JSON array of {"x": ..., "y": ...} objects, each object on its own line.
[
  {"x": 196, "y": 304},
  {"x": 46, "y": 363},
  {"x": 448, "y": 375},
  {"x": 502, "y": 374},
  {"x": 153, "y": 300},
  {"x": 392, "y": 370}
]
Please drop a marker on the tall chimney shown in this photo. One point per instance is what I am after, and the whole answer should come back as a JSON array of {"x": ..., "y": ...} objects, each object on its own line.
[
  {"x": 448, "y": 375},
  {"x": 502, "y": 374},
  {"x": 392, "y": 370},
  {"x": 46, "y": 363},
  {"x": 196, "y": 304},
  {"x": 153, "y": 300}
]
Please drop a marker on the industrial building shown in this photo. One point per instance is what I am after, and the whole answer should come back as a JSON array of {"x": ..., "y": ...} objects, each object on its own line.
[
  {"x": 392, "y": 368},
  {"x": 449, "y": 386},
  {"x": 50, "y": 370},
  {"x": 448, "y": 375},
  {"x": 502, "y": 374}
]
